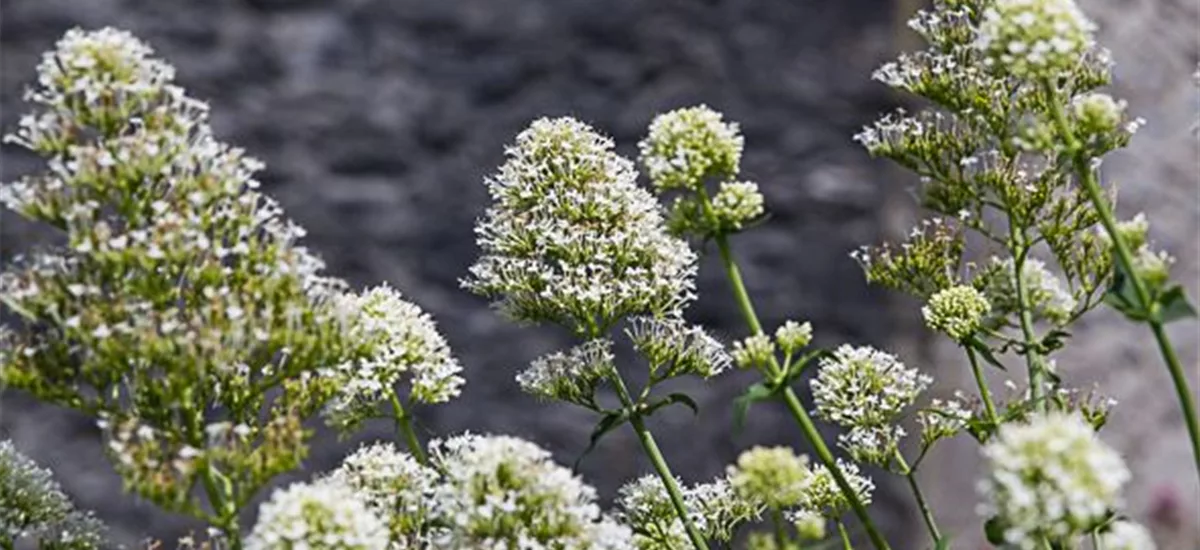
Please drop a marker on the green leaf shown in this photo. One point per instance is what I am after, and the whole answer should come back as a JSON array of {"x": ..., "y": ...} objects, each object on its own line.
[
  {"x": 1055, "y": 340},
  {"x": 986, "y": 353},
  {"x": 1173, "y": 305},
  {"x": 994, "y": 531},
  {"x": 795, "y": 369},
  {"x": 608, "y": 423},
  {"x": 681, "y": 398},
  {"x": 758, "y": 392},
  {"x": 1122, "y": 295}
]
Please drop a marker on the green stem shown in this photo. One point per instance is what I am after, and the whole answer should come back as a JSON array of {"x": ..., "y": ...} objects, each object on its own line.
[
  {"x": 660, "y": 464},
  {"x": 926, "y": 512},
  {"x": 984, "y": 393},
  {"x": 226, "y": 515},
  {"x": 1087, "y": 177},
  {"x": 845, "y": 536},
  {"x": 1020, "y": 250},
  {"x": 781, "y": 537},
  {"x": 404, "y": 426},
  {"x": 793, "y": 402},
  {"x": 1097, "y": 542},
  {"x": 7, "y": 543}
]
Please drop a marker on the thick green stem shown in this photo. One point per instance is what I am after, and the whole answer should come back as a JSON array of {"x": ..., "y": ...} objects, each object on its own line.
[
  {"x": 1087, "y": 178},
  {"x": 404, "y": 426},
  {"x": 793, "y": 402},
  {"x": 1033, "y": 360},
  {"x": 660, "y": 465},
  {"x": 926, "y": 512},
  {"x": 226, "y": 515},
  {"x": 984, "y": 393}
]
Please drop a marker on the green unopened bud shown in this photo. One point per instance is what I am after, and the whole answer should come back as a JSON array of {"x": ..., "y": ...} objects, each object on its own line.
[
  {"x": 956, "y": 311},
  {"x": 792, "y": 336},
  {"x": 753, "y": 351},
  {"x": 775, "y": 476},
  {"x": 735, "y": 204},
  {"x": 1097, "y": 113}
]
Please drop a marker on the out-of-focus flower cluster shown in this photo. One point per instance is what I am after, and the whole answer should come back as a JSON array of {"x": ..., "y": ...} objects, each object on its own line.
[
  {"x": 478, "y": 492},
  {"x": 1051, "y": 477},
  {"x": 33, "y": 507}
]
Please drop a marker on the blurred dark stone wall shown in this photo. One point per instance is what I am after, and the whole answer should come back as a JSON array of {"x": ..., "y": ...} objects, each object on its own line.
[{"x": 378, "y": 121}]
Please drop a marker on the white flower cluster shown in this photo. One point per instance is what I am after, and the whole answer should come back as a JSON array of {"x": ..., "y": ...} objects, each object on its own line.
[
  {"x": 395, "y": 487},
  {"x": 33, "y": 505},
  {"x": 865, "y": 391},
  {"x": 826, "y": 497},
  {"x": 324, "y": 514},
  {"x": 957, "y": 311},
  {"x": 943, "y": 419},
  {"x": 775, "y": 476},
  {"x": 396, "y": 338},
  {"x": 715, "y": 509},
  {"x": 1048, "y": 296},
  {"x": 753, "y": 351},
  {"x": 673, "y": 348},
  {"x": 571, "y": 237},
  {"x": 503, "y": 492},
  {"x": 736, "y": 203},
  {"x": 1051, "y": 477},
  {"x": 1035, "y": 38},
  {"x": 1126, "y": 535},
  {"x": 570, "y": 376},
  {"x": 686, "y": 146},
  {"x": 792, "y": 336}
]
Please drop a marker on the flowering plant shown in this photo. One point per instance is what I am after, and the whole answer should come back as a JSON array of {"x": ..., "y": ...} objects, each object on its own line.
[{"x": 183, "y": 315}]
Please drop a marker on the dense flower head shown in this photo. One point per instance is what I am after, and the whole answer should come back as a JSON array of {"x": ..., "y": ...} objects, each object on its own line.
[
  {"x": 1051, "y": 477},
  {"x": 1127, "y": 535},
  {"x": 775, "y": 476},
  {"x": 394, "y": 486},
  {"x": 866, "y": 390},
  {"x": 504, "y": 492},
  {"x": 809, "y": 525},
  {"x": 1035, "y": 38},
  {"x": 957, "y": 311},
  {"x": 571, "y": 238},
  {"x": 686, "y": 146},
  {"x": 323, "y": 514},
  {"x": 570, "y": 376},
  {"x": 753, "y": 351},
  {"x": 1097, "y": 113},
  {"x": 792, "y": 336},
  {"x": 396, "y": 338},
  {"x": 715, "y": 509},
  {"x": 736, "y": 203},
  {"x": 178, "y": 285},
  {"x": 32, "y": 504},
  {"x": 674, "y": 348}
]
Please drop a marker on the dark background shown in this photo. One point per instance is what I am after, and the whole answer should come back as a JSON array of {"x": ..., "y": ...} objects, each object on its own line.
[{"x": 378, "y": 121}]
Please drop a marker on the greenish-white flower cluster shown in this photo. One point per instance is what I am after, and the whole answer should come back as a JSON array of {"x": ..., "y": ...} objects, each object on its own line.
[
  {"x": 1035, "y": 39},
  {"x": 572, "y": 239},
  {"x": 774, "y": 476},
  {"x": 396, "y": 338},
  {"x": 716, "y": 510},
  {"x": 683, "y": 151},
  {"x": 1051, "y": 477},
  {"x": 865, "y": 391},
  {"x": 1048, "y": 297},
  {"x": 570, "y": 376},
  {"x": 792, "y": 336},
  {"x": 957, "y": 311},
  {"x": 753, "y": 351},
  {"x": 674, "y": 348},
  {"x": 33, "y": 507}
]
